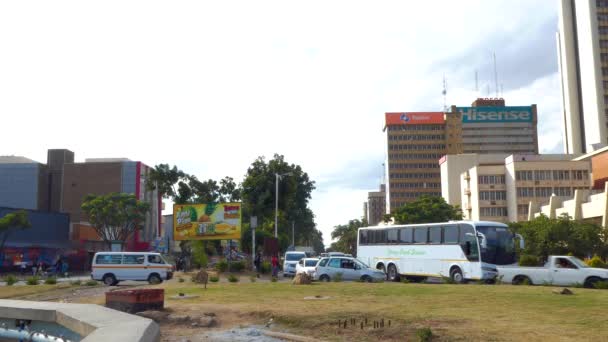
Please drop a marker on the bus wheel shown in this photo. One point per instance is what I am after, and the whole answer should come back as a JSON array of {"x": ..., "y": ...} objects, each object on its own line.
[
  {"x": 392, "y": 273},
  {"x": 456, "y": 275}
]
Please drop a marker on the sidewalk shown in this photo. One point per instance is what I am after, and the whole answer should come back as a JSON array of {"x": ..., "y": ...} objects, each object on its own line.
[{"x": 22, "y": 281}]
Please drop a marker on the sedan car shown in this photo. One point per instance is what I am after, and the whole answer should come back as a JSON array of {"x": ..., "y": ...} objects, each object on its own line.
[
  {"x": 347, "y": 268},
  {"x": 307, "y": 265}
]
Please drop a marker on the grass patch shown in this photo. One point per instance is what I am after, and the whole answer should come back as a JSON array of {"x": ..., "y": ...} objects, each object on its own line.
[
  {"x": 424, "y": 334},
  {"x": 91, "y": 283},
  {"x": 452, "y": 312},
  {"x": 11, "y": 280},
  {"x": 233, "y": 279},
  {"x": 214, "y": 279},
  {"x": 7, "y": 292},
  {"x": 50, "y": 281},
  {"x": 32, "y": 280}
]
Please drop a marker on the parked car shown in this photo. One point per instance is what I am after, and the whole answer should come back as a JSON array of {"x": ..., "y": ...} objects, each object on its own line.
[
  {"x": 559, "y": 270},
  {"x": 290, "y": 261},
  {"x": 114, "y": 267},
  {"x": 307, "y": 265},
  {"x": 349, "y": 268}
]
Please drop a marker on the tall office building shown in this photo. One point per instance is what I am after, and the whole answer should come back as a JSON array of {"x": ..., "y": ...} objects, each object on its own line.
[
  {"x": 375, "y": 207},
  {"x": 582, "y": 42}
]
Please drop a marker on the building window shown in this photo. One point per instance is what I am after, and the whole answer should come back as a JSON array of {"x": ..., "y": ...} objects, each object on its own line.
[
  {"x": 603, "y": 29},
  {"x": 543, "y": 192},
  {"x": 525, "y": 192},
  {"x": 493, "y": 211},
  {"x": 604, "y": 71},
  {"x": 491, "y": 179},
  {"x": 603, "y": 43},
  {"x": 492, "y": 195},
  {"x": 523, "y": 175},
  {"x": 561, "y": 175},
  {"x": 522, "y": 209},
  {"x": 580, "y": 174},
  {"x": 562, "y": 191},
  {"x": 601, "y": 3},
  {"x": 602, "y": 17},
  {"x": 541, "y": 175}
]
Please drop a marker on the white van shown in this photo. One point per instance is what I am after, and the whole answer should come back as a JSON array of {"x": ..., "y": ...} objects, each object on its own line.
[
  {"x": 114, "y": 267},
  {"x": 290, "y": 262}
]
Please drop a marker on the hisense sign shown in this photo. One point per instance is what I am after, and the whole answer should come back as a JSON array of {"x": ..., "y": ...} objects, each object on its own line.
[{"x": 496, "y": 114}]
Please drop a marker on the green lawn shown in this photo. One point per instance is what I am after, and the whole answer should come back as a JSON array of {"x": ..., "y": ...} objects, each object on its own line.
[
  {"x": 453, "y": 312},
  {"x": 7, "y": 292}
]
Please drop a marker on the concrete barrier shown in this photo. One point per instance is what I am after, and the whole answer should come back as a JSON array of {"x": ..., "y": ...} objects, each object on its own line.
[{"x": 95, "y": 323}]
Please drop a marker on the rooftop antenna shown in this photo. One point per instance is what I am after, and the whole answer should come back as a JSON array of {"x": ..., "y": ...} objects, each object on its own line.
[
  {"x": 476, "y": 82},
  {"x": 495, "y": 74},
  {"x": 444, "y": 93},
  {"x": 501, "y": 90}
]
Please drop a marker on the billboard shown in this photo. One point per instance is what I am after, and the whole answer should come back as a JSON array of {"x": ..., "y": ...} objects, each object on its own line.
[
  {"x": 414, "y": 118},
  {"x": 496, "y": 114},
  {"x": 212, "y": 221}
]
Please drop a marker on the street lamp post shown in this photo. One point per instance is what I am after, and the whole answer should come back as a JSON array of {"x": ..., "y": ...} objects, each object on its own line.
[{"x": 276, "y": 201}]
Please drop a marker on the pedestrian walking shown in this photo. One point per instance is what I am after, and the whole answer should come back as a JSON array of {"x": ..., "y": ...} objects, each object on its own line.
[
  {"x": 275, "y": 266},
  {"x": 258, "y": 263},
  {"x": 64, "y": 268}
]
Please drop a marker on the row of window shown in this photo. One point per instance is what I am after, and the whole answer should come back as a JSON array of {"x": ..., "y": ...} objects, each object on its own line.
[
  {"x": 438, "y": 127},
  {"x": 413, "y": 194},
  {"x": 416, "y": 147},
  {"x": 499, "y": 135},
  {"x": 499, "y": 143},
  {"x": 602, "y": 17},
  {"x": 413, "y": 166},
  {"x": 448, "y": 234},
  {"x": 491, "y": 179},
  {"x": 538, "y": 175},
  {"x": 502, "y": 129},
  {"x": 601, "y": 3},
  {"x": 410, "y": 175},
  {"x": 493, "y": 195},
  {"x": 416, "y": 137},
  {"x": 523, "y": 209},
  {"x": 493, "y": 211},
  {"x": 405, "y": 156},
  {"x": 416, "y": 185},
  {"x": 544, "y": 191}
]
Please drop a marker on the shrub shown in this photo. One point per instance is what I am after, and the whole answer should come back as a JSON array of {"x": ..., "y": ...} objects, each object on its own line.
[
  {"x": 274, "y": 279},
  {"x": 424, "y": 334},
  {"x": 601, "y": 285},
  {"x": 10, "y": 280},
  {"x": 221, "y": 266},
  {"x": 338, "y": 277},
  {"x": 237, "y": 266},
  {"x": 214, "y": 279},
  {"x": 76, "y": 282},
  {"x": 50, "y": 281},
  {"x": 32, "y": 280},
  {"x": 233, "y": 279},
  {"x": 447, "y": 280},
  {"x": 253, "y": 279},
  {"x": 528, "y": 260},
  {"x": 404, "y": 280},
  {"x": 199, "y": 253},
  {"x": 91, "y": 283},
  {"x": 266, "y": 267},
  {"x": 180, "y": 280},
  {"x": 596, "y": 261}
]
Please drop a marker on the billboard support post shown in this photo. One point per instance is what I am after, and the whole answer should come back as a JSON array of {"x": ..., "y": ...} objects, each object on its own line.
[{"x": 253, "y": 224}]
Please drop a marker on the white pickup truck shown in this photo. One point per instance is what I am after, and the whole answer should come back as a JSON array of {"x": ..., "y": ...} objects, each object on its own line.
[{"x": 559, "y": 270}]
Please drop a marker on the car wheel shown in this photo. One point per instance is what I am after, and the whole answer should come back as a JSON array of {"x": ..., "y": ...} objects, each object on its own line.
[
  {"x": 521, "y": 280},
  {"x": 392, "y": 273},
  {"x": 591, "y": 281},
  {"x": 109, "y": 280},
  {"x": 324, "y": 278},
  {"x": 154, "y": 279},
  {"x": 366, "y": 279},
  {"x": 456, "y": 275}
]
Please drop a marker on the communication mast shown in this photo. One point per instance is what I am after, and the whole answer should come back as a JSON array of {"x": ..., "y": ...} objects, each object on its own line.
[
  {"x": 495, "y": 74},
  {"x": 445, "y": 93}
]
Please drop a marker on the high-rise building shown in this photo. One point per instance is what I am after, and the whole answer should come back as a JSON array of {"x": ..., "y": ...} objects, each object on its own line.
[
  {"x": 582, "y": 41},
  {"x": 376, "y": 206},
  {"x": 415, "y": 142}
]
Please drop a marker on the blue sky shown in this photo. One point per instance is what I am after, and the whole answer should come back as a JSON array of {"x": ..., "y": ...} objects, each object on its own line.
[{"x": 209, "y": 86}]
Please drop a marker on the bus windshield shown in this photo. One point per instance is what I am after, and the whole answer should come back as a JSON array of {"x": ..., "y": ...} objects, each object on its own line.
[{"x": 500, "y": 245}]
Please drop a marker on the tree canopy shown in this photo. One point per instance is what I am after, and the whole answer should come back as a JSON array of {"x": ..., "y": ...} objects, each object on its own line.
[
  {"x": 544, "y": 236},
  {"x": 115, "y": 216},
  {"x": 427, "y": 209},
  {"x": 346, "y": 235},
  {"x": 12, "y": 222}
]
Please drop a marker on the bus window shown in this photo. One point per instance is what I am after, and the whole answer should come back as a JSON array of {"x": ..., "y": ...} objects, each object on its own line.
[
  {"x": 381, "y": 237},
  {"x": 421, "y": 234},
  {"x": 468, "y": 242},
  {"x": 450, "y": 234},
  {"x": 393, "y": 235},
  {"x": 435, "y": 235},
  {"x": 363, "y": 237},
  {"x": 405, "y": 235}
]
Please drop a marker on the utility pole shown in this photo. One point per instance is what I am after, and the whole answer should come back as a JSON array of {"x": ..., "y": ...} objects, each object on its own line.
[{"x": 293, "y": 234}]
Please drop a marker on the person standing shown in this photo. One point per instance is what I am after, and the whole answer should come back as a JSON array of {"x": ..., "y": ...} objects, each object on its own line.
[
  {"x": 258, "y": 263},
  {"x": 64, "y": 268},
  {"x": 275, "y": 266}
]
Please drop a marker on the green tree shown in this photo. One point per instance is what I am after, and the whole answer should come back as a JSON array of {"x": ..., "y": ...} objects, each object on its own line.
[
  {"x": 164, "y": 178},
  {"x": 11, "y": 223},
  {"x": 427, "y": 209},
  {"x": 199, "y": 253},
  {"x": 115, "y": 216},
  {"x": 561, "y": 236},
  {"x": 346, "y": 236}
]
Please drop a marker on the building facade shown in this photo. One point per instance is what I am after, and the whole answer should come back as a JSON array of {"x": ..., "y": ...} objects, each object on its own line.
[
  {"x": 512, "y": 191},
  {"x": 415, "y": 142},
  {"x": 582, "y": 42},
  {"x": 376, "y": 206},
  {"x": 23, "y": 183},
  {"x": 488, "y": 126}
]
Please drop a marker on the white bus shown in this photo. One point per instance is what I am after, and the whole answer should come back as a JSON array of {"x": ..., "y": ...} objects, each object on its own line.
[{"x": 461, "y": 250}]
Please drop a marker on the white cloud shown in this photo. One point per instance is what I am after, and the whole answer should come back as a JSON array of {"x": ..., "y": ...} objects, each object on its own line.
[{"x": 210, "y": 86}]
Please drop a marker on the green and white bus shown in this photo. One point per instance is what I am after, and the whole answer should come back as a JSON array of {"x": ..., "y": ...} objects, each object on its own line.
[{"x": 461, "y": 250}]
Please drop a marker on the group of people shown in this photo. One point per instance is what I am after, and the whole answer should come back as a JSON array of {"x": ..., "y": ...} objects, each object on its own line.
[
  {"x": 39, "y": 268},
  {"x": 274, "y": 263}
]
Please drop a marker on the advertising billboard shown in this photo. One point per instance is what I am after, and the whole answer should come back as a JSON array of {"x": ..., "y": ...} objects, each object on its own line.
[
  {"x": 212, "y": 221},
  {"x": 496, "y": 114},
  {"x": 414, "y": 118}
]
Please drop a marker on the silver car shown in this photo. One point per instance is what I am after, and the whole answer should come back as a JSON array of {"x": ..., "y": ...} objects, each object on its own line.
[{"x": 348, "y": 267}]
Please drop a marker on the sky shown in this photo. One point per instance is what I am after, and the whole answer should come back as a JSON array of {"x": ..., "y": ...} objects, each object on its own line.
[{"x": 211, "y": 85}]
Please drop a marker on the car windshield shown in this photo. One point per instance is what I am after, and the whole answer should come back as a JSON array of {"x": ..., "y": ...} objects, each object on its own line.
[
  {"x": 362, "y": 264},
  {"x": 578, "y": 262},
  {"x": 294, "y": 256},
  {"x": 311, "y": 263},
  {"x": 500, "y": 245}
]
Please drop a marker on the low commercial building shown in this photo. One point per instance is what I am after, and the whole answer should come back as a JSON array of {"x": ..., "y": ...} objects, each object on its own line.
[
  {"x": 509, "y": 191},
  {"x": 376, "y": 205}
]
